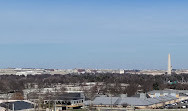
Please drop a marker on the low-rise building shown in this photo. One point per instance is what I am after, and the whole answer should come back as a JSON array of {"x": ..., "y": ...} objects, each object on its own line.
[
  {"x": 141, "y": 102},
  {"x": 66, "y": 101},
  {"x": 16, "y": 105},
  {"x": 175, "y": 93}
]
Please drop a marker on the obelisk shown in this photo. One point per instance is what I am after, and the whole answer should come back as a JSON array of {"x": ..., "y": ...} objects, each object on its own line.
[{"x": 169, "y": 65}]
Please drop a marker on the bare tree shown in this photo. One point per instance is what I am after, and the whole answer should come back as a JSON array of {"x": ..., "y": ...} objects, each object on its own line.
[{"x": 17, "y": 96}]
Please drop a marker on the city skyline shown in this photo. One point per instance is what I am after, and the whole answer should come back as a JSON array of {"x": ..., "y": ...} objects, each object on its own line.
[{"x": 93, "y": 34}]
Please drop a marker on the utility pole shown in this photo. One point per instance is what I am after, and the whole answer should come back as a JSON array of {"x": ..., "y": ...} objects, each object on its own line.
[
  {"x": 55, "y": 106},
  {"x": 13, "y": 107},
  {"x": 49, "y": 105},
  {"x": 7, "y": 101},
  {"x": 111, "y": 101}
]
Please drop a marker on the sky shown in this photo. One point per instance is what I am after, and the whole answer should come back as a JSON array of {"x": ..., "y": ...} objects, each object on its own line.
[{"x": 97, "y": 34}]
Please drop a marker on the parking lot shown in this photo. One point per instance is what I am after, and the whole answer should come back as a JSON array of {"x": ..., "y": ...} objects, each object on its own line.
[{"x": 180, "y": 105}]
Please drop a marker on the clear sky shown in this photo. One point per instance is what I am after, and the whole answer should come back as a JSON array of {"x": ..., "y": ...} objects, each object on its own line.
[{"x": 128, "y": 34}]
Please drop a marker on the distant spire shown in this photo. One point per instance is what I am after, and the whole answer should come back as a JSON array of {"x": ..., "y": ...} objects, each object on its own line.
[{"x": 169, "y": 65}]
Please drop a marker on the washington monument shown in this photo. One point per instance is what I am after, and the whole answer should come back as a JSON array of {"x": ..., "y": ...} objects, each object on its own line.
[{"x": 169, "y": 65}]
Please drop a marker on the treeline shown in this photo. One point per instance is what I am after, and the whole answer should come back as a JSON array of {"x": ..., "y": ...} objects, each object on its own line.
[{"x": 136, "y": 83}]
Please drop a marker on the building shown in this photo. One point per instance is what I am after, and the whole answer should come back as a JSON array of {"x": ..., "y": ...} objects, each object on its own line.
[
  {"x": 171, "y": 92},
  {"x": 142, "y": 102},
  {"x": 16, "y": 105},
  {"x": 66, "y": 101}
]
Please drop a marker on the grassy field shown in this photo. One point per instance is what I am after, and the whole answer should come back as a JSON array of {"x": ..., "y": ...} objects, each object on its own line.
[
  {"x": 78, "y": 110},
  {"x": 140, "y": 110},
  {"x": 163, "y": 110}
]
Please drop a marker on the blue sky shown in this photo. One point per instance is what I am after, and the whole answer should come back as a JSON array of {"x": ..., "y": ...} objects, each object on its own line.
[{"x": 128, "y": 34}]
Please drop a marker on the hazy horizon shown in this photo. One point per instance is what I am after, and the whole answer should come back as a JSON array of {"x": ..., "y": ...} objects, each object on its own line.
[{"x": 100, "y": 34}]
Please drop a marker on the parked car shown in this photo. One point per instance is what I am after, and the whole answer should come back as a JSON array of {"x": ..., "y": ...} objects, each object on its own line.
[
  {"x": 183, "y": 107},
  {"x": 169, "y": 106},
  {"x": 174, "y": 104}
]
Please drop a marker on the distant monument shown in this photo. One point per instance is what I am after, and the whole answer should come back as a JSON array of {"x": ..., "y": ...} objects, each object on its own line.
[{"x": 169, "y": 65}]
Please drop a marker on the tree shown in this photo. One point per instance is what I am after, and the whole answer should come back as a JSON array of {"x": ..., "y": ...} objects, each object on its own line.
[
  {"x": 17, "y": 96},
  {"x": 132, "y": 89}
]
